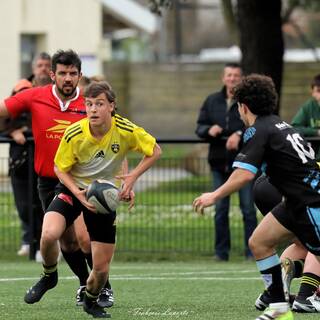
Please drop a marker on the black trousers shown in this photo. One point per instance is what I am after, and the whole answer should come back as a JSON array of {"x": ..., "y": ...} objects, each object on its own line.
[{"x": 20, "y": 186}]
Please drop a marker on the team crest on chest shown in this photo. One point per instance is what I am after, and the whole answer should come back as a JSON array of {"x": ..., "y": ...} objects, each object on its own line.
[{"x": 115, "y": 147}]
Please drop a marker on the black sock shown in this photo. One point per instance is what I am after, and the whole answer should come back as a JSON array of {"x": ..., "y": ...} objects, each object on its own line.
[
  {"x": 77, "y": 264},
  {"x": 107, "y": 284},
  {"x": 308, "y": 285},
  {"x": 298, "y": 268},
  {"x": 270, "y": 269},
  {"x": 275, "y": 289},
  {"x": 88, "y": 257}
]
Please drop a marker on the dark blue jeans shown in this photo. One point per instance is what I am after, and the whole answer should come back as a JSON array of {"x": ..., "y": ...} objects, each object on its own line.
[{"x": 221, "y": 218}]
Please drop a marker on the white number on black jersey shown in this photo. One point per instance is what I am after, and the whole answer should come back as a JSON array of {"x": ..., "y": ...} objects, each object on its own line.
[{"x": 299, "y": 147}]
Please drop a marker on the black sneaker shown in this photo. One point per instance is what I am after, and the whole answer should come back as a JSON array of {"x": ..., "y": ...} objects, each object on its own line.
[
  {"x": 91, "y": 307},
  {"x": 265, "y": 299},
  {"x": 80, "y": 295},
  {"x": 105, "y": 299},
  {"x": 46, "y": 282}
]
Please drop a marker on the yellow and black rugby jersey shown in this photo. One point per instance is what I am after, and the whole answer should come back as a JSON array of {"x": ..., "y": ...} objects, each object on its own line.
[{"x": 88, "y": 159}]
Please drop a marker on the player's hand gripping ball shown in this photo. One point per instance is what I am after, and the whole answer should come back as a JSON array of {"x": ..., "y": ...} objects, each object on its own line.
[{"x": 104, "y": 195}]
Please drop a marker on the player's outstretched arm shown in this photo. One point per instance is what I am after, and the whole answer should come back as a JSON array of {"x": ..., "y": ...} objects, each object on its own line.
[
  {"x": 130, "y": 178},
  {"x": 236, "y": 181}
]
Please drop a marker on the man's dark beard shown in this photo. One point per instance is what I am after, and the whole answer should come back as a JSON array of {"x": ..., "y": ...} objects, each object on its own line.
[{"x": 66, "y": 94}]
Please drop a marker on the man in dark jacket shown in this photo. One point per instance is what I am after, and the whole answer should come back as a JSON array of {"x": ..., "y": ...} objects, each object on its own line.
[{"x": 219, "y": 122}]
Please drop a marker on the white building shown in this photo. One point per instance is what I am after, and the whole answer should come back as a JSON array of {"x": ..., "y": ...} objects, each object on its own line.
[{"x": 31, "y": 26}]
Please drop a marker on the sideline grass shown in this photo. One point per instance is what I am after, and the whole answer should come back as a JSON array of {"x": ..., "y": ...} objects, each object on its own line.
[{"x": 163, "y": 290}]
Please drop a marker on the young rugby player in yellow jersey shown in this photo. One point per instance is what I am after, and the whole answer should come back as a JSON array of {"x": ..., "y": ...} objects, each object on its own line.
[{"x": 95, "y": 148}]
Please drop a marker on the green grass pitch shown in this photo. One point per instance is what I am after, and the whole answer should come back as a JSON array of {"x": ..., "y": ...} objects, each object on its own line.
[{"x": 143, "y": 290}]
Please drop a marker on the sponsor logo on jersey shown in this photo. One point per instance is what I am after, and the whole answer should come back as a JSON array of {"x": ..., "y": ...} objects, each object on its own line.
[
  {"x": 283, "y": 125},
  {"x": 115, "y": 147},
  {"x": 249, "y": 133},
  {"x": 100, "y": 154},
  {"x": 56, "y": 131}
]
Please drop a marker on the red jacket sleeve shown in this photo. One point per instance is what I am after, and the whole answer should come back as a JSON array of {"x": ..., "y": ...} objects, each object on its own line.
[{"x": 20, "y": 102}]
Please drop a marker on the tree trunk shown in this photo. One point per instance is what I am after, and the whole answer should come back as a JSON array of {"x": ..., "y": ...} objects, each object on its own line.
[
  {"x": 261, "y": 40},
  {"x": 230, "y": 19}
]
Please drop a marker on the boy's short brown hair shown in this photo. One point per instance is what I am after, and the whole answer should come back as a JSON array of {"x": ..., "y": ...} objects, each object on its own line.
[{"x": 96, "y": 88}]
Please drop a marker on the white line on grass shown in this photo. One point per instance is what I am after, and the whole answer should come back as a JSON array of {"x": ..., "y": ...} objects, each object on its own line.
[
  {"x": 209, "y": 272},
  {"x": 179, "y": 267},
  {"x": 186, "y": 279},
  {"x": 145, "y": 278},
  {"x": 167, "y": 266}
]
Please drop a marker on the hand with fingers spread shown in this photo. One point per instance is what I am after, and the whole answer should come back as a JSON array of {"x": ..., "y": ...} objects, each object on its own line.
[
  {"x": 128, "y": 181},
  {"x": 130, "y": 199},
  {"x": 205, "y": 200}
]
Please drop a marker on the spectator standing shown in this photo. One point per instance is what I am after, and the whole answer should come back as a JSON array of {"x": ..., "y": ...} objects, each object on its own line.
[{"x": 219, "y": 122}]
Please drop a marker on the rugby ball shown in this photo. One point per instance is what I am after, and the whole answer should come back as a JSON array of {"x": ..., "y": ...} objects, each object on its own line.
[{"x": 104, "y": 195}]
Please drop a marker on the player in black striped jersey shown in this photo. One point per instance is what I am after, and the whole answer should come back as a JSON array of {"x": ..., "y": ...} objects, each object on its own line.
[{"x": 289, "y": 162}]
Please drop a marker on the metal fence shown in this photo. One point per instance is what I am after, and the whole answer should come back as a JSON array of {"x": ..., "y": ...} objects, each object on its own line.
[{"x": 162, "y": 221}]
